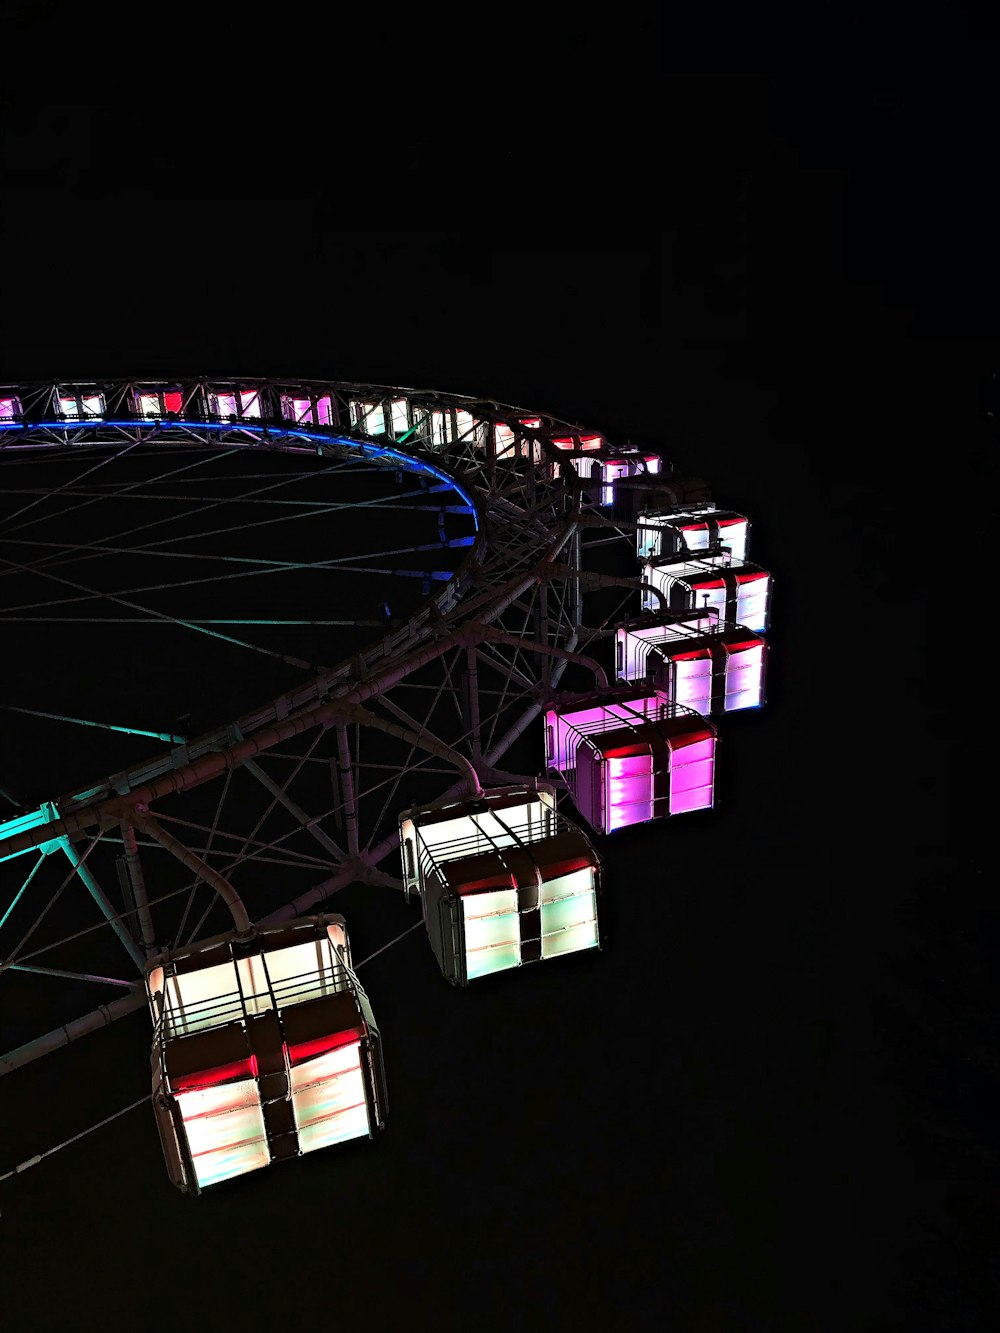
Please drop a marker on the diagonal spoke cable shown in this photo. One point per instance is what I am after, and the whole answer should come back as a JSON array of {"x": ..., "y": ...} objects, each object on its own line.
[
  {"x": 336, "y": 564},
  {"x": 194, "y": 511},
  {"x": 125, "y": 488},
  {"x": 17, "y": 896},
  {"x": 208, "y": 845},
  {"x": 71, "y": 873},
  {"x": 68, "y": 484},
  {"x": 176, "y": 620}
]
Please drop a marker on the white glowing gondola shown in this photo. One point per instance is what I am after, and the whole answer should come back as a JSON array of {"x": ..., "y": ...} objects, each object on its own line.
[
  {"x": 82, "y": 403},
  {"x": 503, "y": 880},
  {"x": 739, "y": 591},
  {"x": 694, "y": 661},
  {"x": 629, "y": 756},
  {"x": 699, "y": 528},
  {"x": 9, "y": 408},
  {"x": 603, "y": 471},
  {"x": 264, "y": 1049}
]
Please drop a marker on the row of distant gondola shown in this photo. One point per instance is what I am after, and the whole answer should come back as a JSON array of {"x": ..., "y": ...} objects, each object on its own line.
[{"x": 266, "y": 1048}]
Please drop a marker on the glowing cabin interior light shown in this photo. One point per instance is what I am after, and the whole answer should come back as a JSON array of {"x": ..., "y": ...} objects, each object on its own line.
[
  {"x": 298, "y": 973},
  {"x": 492, "y": 932},
  {"x": 611, "y": 470},
  {"x": 576, "y": 442},
  {"x": 208, "y": 997},
  {"x": 89, "y": 405},
  {"x": 9, "y": 407},
  {"x": 751, "y": 600},
  {"x": 224, "y": 404},
  {"x": 328, "y": 1098},
  {"x": 654, "y": 464},
  {"x": 629, "y": 790},
  {"x": 249, "y": 401},
  {"x": 693, "y": 681},
  {"x": 744, "y": 676},
  {"x": 733, "y": 535},
  {"x": 305, "y": 412},
  {"x": 224, "y": 1127},
  {"x": 202, "y": 999},
  {"x": 465, "y": 424},
  {"x": 503, "y": 438},
  {"x": 440, "y": 428},
  {"x": 297, "y": 409},
  {"x": 709, "y": 595},
  {"x": 149, "y": 403},
  {"x": 399, "y": 416},
  {"x": 569, "y": 913},
  {"x": 369, "y": 417},
  {"x": 696, "y": 536},
  {"x": 692, "y": 777}
]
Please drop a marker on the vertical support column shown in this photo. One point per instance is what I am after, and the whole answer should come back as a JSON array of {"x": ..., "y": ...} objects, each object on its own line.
[
  {"x": 576, "y": 598},
  {"x": 542, "y": 631},
  {"x": 147, "y": 936},
  {"x": 491, "y": 452},
  {"x": 472, "y": 685},
  {"x": 347, "y": 788}
]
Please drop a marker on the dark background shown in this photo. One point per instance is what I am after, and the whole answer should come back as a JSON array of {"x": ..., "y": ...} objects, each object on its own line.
[{"x": 771, "y": 1102}]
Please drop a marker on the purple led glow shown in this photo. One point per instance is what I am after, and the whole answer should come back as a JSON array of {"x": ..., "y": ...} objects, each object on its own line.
[
  {"x": 303, "y": 411},
  {"x": 566, "y": 729},
  {"x": 9, "y": 407},
  {"x": 692, "y": 777},
  {"x": 629, "y": 790}
]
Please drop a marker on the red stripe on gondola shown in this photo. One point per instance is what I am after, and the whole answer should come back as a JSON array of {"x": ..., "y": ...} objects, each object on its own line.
[
  {"x": 307, "y": 1050},
  {"x": 207, "y": 1078}
]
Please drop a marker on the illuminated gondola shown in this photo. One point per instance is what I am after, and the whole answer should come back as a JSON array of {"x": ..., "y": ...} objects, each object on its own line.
[
  {"x": 629, "y": 755},
  {"x": 694, "y": 529},
  {"x": 693, "y": 660},
  {"x": 503, "y": 880},
  {"x": 264, "y": 1048},
  {"x": 739, "y": 591}
]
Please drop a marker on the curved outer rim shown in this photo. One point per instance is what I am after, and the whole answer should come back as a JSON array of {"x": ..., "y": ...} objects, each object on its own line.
[{"x": 500, "y": 525}]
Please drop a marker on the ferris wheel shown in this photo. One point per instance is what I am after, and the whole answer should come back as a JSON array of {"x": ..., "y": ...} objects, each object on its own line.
[{"x": 266, "y": 639}]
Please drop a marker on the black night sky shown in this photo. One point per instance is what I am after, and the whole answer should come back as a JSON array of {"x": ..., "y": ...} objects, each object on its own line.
[{"x": 771, "y": 1102}]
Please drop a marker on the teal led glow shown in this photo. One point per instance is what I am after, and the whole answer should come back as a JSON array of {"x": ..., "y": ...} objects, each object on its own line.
[{"x": 103, "y": 726}]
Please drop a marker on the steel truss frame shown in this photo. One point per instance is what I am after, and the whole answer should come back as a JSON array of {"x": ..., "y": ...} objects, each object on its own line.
[{"x": 303, "y": 791}]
